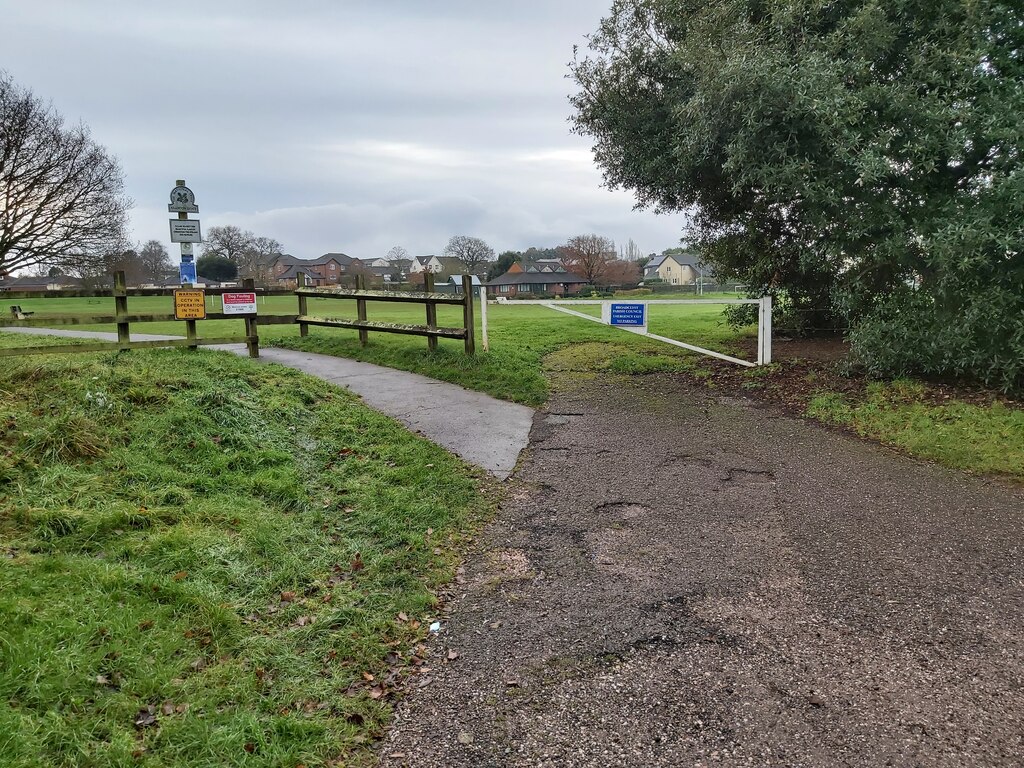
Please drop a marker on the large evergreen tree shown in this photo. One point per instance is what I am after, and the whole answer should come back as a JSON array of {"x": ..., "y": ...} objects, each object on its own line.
[{"x": 861, "y": 158}]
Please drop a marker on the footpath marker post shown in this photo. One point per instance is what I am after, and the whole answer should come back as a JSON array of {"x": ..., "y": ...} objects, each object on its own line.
[{"x": 185, "y": 231}]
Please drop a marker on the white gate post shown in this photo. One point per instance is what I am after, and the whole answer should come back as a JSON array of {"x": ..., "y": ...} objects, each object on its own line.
[
  {"x": 483, "y": 318},
  {"x": 764, "y": 331}
]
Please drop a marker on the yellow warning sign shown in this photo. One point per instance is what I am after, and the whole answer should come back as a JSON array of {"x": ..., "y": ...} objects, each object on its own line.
[{"x": 189, "y": 304}]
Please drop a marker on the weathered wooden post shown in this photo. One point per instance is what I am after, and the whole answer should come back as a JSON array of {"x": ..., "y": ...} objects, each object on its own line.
[
  {"x": 364, "y": 337},
  {"x": 428, "y": 286},
  {"x": 469, "y": 319},
  {"x": 252, "y": 338},
  {"x": 121, "y": 309},
  {"x": 300, "y": 282}
]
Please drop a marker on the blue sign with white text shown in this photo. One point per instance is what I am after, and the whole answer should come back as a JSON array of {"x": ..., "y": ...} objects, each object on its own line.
[
  {"x": 188, "y": 272},
  {"x": 633, "y": 314}
]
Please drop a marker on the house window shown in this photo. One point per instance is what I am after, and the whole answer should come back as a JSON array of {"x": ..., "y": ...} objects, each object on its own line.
[{"x": 333, "y": 267}]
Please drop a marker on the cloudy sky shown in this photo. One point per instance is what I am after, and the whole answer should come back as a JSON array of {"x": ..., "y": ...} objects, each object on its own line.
[{"x": 336, "y": 125}]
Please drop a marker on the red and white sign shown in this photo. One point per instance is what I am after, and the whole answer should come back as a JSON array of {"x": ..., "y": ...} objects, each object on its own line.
[{"x": 239, "y": 303}]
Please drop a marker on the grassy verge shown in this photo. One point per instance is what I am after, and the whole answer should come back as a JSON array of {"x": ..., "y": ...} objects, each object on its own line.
[
  {"x": 207, "y": 562},
  {"x": 986, "y": 439},
  {"x": 520, "y": 335}
]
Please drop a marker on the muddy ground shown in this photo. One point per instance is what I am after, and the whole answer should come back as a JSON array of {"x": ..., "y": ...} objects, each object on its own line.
[{"x": 681, "y": 579}]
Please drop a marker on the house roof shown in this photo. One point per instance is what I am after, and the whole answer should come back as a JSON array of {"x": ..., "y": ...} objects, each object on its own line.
[
  {"x": 306, "y": 267},
  {"x": 681, "y": 259},
  {"x": 520, "y": 278},
  {"x": 30, "y": 282},
  {"x": 457, "y": 280}
]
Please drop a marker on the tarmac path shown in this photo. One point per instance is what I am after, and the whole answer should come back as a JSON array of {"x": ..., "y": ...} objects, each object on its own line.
[
  {"x": 480, "y": 429},
  {"x": 678, "y": 580}
]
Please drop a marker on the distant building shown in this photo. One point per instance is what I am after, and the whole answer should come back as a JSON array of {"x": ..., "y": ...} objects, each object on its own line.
[
  {"x": 518, "y": 281},
  {"x": 30, "y": 283},
  {"x": 328, "y": 269},
  {"x": 677, "y": 269}
]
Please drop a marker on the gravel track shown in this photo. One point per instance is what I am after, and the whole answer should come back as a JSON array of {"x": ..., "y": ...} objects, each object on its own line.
[{"x": 679, "y": 580}]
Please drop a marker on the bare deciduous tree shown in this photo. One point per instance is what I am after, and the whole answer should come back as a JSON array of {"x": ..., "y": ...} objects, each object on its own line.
[
  {"x": 62, "y": 199},
  {"x": 588, "y": 256},
  {"x": 398, "y": 253},
  {"x": 155, "y": 261},
  {"x": 248, "y": 251},
  {"x": 471, "y": 251}
]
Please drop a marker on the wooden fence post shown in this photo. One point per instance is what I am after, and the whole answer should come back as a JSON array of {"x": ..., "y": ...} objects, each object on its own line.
[
  {"x": 121, "y": 309},
  {"x": 469, "y": 319},
  {"x": 252, "y": 338},
  {"x": 428, "y": 286},
  {"x": 364, "y": 337},
  {"x": 300, "y": 282}
]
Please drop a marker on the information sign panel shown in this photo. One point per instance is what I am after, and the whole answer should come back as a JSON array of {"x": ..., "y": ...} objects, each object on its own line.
[
  {"x": 185, "y": 231},
  {"x": 189, "y": 304},
  {"x": 631, "y": 314},
  {"x": 239, "y": 303}
]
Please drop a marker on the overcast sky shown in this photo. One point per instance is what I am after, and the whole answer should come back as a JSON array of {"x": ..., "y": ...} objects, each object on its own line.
[{"x": 336, "y": 125}]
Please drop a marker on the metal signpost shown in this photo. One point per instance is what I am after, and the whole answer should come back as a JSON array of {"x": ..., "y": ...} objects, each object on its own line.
[{"x": 184, "y": 230}]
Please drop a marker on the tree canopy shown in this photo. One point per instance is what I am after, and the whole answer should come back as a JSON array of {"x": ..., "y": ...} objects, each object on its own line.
[
  {"x": 247, "y": 250},
  {"x": 214, "y": 267},
  {"x": 471, "y": 251},
  {"x": 62, "y": 200},
  {"x": 861, "y": 159}
]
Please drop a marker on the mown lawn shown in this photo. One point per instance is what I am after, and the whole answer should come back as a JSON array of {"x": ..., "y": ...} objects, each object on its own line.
[
  {"x": 520, "y": 337},
  {"x": 206, "y": 562}
]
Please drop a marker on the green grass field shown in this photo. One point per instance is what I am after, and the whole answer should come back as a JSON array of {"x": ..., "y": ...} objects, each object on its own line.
[
  {"x": 520, "y": 337},
  {"x": 206, "y": 562}
]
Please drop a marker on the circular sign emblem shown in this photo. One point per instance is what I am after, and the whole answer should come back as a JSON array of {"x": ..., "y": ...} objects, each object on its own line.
[{"x": 182, "y": 196}]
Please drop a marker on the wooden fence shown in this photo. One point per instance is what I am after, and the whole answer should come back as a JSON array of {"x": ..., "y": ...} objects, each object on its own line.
[
  {"x": 250, "y": 337},
  {"x": 427, "y": 297}
]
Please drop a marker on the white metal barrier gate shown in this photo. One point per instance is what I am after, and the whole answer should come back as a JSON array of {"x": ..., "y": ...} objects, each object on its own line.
[{"x": 764, "y": 321}]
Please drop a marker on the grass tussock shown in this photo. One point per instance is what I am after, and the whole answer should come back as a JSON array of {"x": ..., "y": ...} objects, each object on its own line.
[
  {"x": 987, "y": 439},
  {"x": 202, "y": 562}
]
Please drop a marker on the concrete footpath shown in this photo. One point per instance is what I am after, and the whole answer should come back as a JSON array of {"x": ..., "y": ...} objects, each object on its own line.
[{"x": 480, "y": 429}]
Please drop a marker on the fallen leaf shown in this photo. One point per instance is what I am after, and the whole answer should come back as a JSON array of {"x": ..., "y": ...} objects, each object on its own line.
[
  {"x": 403, "y": 616},
  {"x": 304, "y": 620},
  {"x": 102, "y": 680},
  {"x": 249, "y": 747},
  {"x": 147, "y": 624},
  {"x": 146, "y": 717},
  {"x": 180, "y": 575},
  {"x": 512, "y": 683},
  {"x": 430, "y": 531},
  {"x": 355, "y": 718},
  {"x": 357, "y": 562},
  {"x": 167, "y": 708},
  {"x": 465, "y": 738},
  {"x": 368, "y": 677},
  {"x": 287, "y": 597},
  {"x": 453, "y": 655},
  {"x": 198, "y": 664},
  {"x": 377, "y": 691}
]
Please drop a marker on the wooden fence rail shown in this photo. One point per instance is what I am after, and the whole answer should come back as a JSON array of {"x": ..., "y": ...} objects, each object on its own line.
[
  {"x": 124, "y": 321},
  {"x": 427, "y": 297}
]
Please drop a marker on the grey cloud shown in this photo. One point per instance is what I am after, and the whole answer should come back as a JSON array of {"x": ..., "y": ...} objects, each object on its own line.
[{"x": 336, "y": 125}]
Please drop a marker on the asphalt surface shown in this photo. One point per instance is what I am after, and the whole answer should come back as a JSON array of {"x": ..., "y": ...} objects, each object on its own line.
[
  {"x": 684, "y": 581},
  {"x": 476, "y": 427}
]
